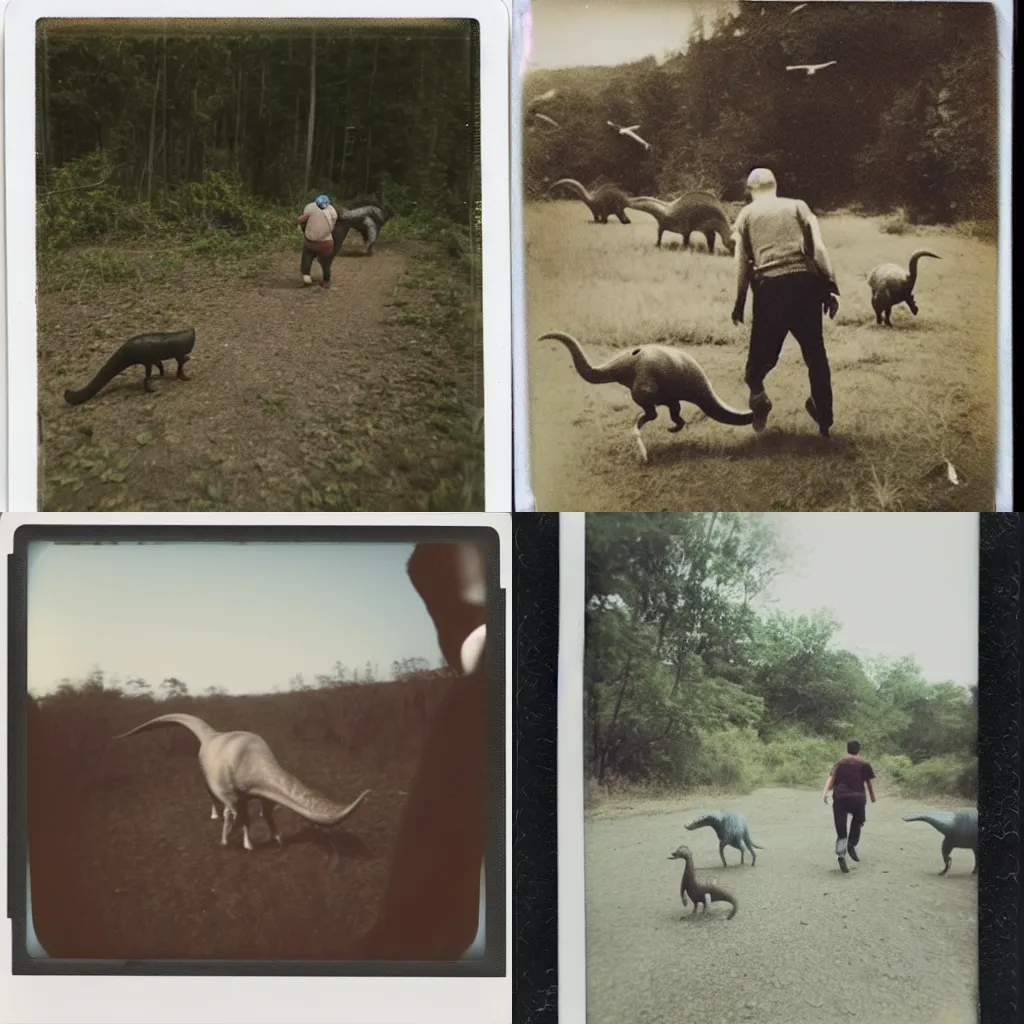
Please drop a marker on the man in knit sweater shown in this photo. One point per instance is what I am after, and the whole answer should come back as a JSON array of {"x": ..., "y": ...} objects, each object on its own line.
[
  {"x": 318, "y": 220},
  {"x": 780, "y": 252}
]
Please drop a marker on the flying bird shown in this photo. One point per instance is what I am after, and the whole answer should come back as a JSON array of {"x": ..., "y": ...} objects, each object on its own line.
[
  {"x": 810, "y": 68},
  {"x": 799, "y": 7},
  {"x": 630, "y": 132},
  {"x": 533, "y": 115}
]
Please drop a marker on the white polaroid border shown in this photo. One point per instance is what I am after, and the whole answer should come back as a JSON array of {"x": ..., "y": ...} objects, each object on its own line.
[
  {"x": 572, "y": 933},
  {"x": 46, "y": 999},
  {"x": 521, "y": 47},
  {"x": 20, "y": 106}
]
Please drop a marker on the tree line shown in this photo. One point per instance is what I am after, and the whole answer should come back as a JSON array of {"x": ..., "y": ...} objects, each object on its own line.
[
  {"x": 176, "y": 119},
  {"x": 687, "y": 677},
  {"x": 907, "y": 117}
]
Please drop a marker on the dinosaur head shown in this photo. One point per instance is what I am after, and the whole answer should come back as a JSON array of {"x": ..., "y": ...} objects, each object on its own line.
[{"x": 683, "y": 853}]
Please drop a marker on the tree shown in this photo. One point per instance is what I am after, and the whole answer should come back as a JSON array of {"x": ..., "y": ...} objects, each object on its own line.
[{"x": 172, "y": 687}]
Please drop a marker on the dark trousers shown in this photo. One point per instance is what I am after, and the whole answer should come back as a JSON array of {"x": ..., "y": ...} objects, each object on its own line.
[
  {"x": 325, "y": 261},
  {"x": 783, "y": 305},
  {"x": 841, "y": 808}
]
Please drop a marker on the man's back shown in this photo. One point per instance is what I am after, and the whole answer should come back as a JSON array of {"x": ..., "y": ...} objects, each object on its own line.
[{"x": 851, "y": 773}]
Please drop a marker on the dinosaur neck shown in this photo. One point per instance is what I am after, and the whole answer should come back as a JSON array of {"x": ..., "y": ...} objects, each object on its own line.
[
  {"x": 195, "y": 725},
  {"x": 655, "y": 207},
  {"x": 576, "y": 188},
  {"x": 620, "y": 369}
]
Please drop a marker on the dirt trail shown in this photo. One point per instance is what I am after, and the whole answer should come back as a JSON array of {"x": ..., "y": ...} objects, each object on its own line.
[
  {"x": 293, "y": 396},
  {"x": 890, "y": 943}
]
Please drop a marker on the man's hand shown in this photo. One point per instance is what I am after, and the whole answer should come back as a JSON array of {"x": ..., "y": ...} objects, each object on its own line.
[
  {"x": 737, "y": 314},
  {"x": 824, "y": 799},
  {"x": 830, "y": 306}
]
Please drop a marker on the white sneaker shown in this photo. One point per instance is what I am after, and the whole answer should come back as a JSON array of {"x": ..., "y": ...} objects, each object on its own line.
[{"x": 306, "y": 279}]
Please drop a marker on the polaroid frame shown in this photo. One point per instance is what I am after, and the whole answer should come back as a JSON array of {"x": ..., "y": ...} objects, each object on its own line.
[
  {"x": 20, "y": 125},
  {"x": 522, "y": 27},
  {"x": 999, "y": 695},
  {"x": 339, "y": 993}
]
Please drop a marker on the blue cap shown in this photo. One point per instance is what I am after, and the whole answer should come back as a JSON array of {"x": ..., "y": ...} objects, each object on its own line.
[{"x": 323, "y": 202}]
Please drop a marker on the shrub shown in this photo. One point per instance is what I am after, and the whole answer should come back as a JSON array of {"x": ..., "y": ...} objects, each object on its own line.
[{"x": 897, "y": 223}]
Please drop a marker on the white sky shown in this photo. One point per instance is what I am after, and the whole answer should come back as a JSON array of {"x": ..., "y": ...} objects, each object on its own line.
[
  {"x": 901, "y": 583},
  {"x": 573, "y": 33},
  {"x": 246, "y": 617}
]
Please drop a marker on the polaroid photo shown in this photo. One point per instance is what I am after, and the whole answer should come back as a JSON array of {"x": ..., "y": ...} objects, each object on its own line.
[
  {"x": 262, "y": 256},
  {"x": 784, "y": 768},
  {"x": 272, "y": 747},
  {"x": 698, "y": 181}
]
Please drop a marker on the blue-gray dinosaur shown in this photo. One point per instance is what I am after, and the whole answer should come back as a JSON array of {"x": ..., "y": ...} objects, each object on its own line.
[
  {"x": 959, "y": 831},
  {"x": 732, "y": 830}
]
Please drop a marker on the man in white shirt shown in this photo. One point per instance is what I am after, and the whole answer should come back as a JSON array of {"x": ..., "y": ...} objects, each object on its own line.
[
  {"x": 779, "y": 250},
  {"x": 318, "y": 220}
]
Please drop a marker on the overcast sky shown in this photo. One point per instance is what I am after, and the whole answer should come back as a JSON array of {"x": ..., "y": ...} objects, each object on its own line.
[
  {"x": 246, "y": 617},
  {"x": 573, "y": 33},
  {"x": 901, "y": 583}
]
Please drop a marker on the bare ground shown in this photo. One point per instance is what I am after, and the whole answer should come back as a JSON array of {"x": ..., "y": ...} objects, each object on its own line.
[
  {"x": 906, "y": 398},
  {"x": 890, "y": 943},
  {"x": 357, "y": 398}
]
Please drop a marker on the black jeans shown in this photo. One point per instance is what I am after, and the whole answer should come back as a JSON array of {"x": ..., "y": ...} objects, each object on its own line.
[
  {"x": 783, "y": 305},
  {"x": 843, "y": 806},
  {"x": 307, "y": 262}
]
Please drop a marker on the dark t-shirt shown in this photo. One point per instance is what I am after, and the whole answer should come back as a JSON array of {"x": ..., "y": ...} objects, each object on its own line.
[{"x": 850, "y": 774}]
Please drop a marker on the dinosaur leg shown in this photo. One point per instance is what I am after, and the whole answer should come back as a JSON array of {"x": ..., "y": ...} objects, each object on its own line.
[
  {"x": 721, "y": 853},
  {"x": 661, "y": 231},
  {"x": 182, "y": 375},
  {"x": 677, "y": 421},
  {"x": 649, "y": 414},
  {"x": 160, "y": 366},
  {"x": 888, "y": 317},
  {"x": 371, "y": 236},
  {"x": 147, "y": 383},
  {"x": 229, "y": 819},
  {"x": 243, "y": 817},
  {"x": 268, "y": 816},
  {"x": 753, "y": 856},
  {"x": 710, "y": 237},
  {"x": 912, "y": 305},
  {"x": 947, "y": 849},
  {"x": 213, "y": 805},
  {"x": 686, "y": 239}
]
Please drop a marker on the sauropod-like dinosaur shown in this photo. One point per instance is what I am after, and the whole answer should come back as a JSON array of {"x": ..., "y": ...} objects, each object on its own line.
[
  {"x": 702, "y": 893},
  {"x": 891, "y": 284},
  {"x": 732, "y": 830},
  {"x": 603, "y": 202},
  {"x": 146, "y": 350},
  {"x": 656, "y": 375},
  {"x": 959, "y": 830},
  {"x": 694, "y": 211},
  {"x": 238, "y": 766}
]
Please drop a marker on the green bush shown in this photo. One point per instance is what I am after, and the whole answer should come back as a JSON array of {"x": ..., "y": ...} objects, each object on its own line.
[{"x": 939, "y": 776}]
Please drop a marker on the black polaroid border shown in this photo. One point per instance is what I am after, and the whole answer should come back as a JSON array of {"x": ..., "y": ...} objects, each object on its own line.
[
  {"x": 535, "y": 575},
  {"x": 536, "y": 778},
  {"x": 493, "y": 962}
]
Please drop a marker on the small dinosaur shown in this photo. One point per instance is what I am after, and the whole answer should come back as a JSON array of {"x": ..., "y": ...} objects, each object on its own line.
[
  {"x": 146, "y": 350},
  {"x": 702, "y": 893},
  {"x": 891, "y": 284},
  {"x": 959, "y": 830},
  {"x": 732, "y": 830}
]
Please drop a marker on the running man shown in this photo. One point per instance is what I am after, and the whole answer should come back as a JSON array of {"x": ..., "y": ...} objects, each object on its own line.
[
  {"x": 317, "y": 221},
  {"x": 847, "y": 780}
]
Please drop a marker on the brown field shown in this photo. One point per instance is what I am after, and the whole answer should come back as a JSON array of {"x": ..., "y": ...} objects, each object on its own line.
[
  {"x": 126, "y": 862},
  {"x": 890, "y": 943},
  {"x": 362, "y": 398},
  {"x": 906, "y": 398}
]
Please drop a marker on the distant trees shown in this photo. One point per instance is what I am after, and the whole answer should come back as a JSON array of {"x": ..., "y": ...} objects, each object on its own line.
[{"x": 908, "y": 117}]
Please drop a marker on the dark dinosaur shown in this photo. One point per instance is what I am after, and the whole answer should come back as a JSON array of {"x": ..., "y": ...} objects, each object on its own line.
[
  {"x": 700, "y": 892},
  {"x": 891, "y": 284},
  {"x": 146, "y": 350},
  {"x": 959, "y": 831},
  {"x": 693, "y": 212},
  {"x": 368, "y": 219},
  {"x": 605, "y": 201},
  {"x": 656, "y": 375},
  {"x": 732, "y": 830}
]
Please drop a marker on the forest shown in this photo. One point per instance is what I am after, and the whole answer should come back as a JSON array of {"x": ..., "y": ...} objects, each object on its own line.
[
  {"x": 906, "y": 118},
  {"x": 690, "y": 683},
  {"x": 217, "y": 126}
]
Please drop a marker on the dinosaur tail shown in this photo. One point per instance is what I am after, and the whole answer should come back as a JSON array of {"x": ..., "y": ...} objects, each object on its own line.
[
  {"x": 283, "y": 788},
  {"x": 722, "y": 896},
  {"x": 117, "y": 363},
  {"x": 937, "y": 821},
  {"x": 914, "y": 257},
  {"x": 196, "y": 726},
  {"x": 574, "y": 187},
  {"x": 712, "y": 406},
  {"x": 756, "y": 846},
  {"x": 618, "y": 370}
]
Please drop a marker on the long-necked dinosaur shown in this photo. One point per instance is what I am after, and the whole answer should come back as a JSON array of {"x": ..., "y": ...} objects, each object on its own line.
[
  {"x": 656, "y": 375},
  {"x": 239, "y": 766},
  {"x": 146, "y": 350},
  {"x": 693, "y": 211},
  {"x": 959, "y": 830},
  {"x": 603, "y": 202},
  {"x": 891, "y": 284},
  {"x": 702, "y": 893},
  {"x": 732, "y": 830}
]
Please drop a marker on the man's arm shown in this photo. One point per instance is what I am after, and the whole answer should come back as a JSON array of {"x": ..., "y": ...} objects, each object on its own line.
[
  {"x": 744, "y": 270},
  {"x": 818, "y": 253},
  {"x": 868, "y": 776},
  {"x": 829, "y": 783}
]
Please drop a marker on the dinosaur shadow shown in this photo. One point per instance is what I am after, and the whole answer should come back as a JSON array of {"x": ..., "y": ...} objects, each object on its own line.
[
  {"x": 334, "y": 844},
  {"x": 771, "y": 442}
]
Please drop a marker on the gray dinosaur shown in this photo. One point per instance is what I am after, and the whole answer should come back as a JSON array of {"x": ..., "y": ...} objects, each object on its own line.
[
  {"x": 732, "y": 830},
  {"x": 959, "y": 831}
]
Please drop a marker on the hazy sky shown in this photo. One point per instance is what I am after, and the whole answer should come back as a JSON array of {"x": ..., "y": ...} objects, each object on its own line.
[
  {"x": 901, "y": 583},
  {"x": 246, "y": 617},
  {"x": 571, "y": 33}
]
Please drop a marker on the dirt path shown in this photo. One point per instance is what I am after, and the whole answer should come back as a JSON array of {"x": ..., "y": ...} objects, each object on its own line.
[
  {"x": 890, "y": 943},
  {"x": 300, "y": 398}
]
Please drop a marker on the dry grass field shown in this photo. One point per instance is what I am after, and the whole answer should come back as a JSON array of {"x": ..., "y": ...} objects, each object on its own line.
[
  {"x": 906, "y": 398},
  {"x": 126, "y": 862}
]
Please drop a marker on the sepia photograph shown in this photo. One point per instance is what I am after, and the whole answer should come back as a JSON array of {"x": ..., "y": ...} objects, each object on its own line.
[
  {"x": 266, "y": 271},
  {"x": 310, "y": 768},
  {"x": 766, "y": 256},
  {"x": 775, "y": 720}
]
